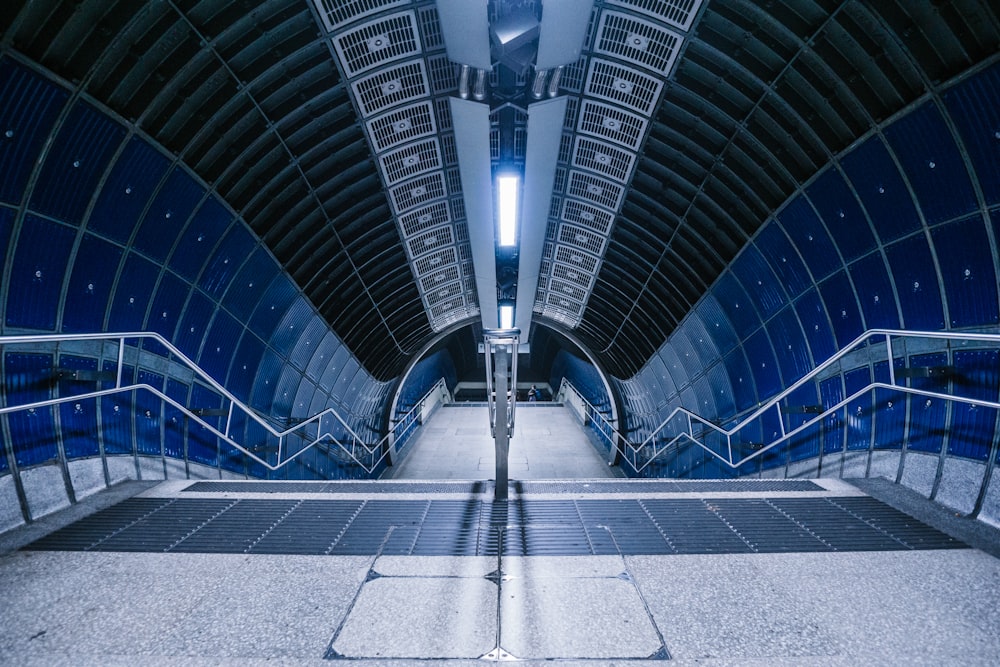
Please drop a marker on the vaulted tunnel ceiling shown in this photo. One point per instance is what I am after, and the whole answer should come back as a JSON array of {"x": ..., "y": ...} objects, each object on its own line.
[{"x": 253, "y": 97}]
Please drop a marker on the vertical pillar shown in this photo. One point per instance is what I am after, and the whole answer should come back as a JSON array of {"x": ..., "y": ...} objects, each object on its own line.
[{"x": 500, "y": 432}]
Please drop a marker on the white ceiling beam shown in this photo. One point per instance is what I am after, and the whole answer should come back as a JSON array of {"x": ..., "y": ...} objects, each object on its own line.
[
  {"x": 545, "y": 121},
  {"x": 465, "y": 27},
  {"x": 562, "y": 31},
  {"x": 471, "y": 121}
]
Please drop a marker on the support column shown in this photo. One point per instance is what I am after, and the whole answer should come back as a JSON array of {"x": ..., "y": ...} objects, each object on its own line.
[{"x": 500, "y": 432}]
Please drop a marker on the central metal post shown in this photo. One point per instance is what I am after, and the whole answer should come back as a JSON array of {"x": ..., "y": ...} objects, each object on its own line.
[
  {"x": 501, "y": 437},
  {"x": 500, "y": 347}
]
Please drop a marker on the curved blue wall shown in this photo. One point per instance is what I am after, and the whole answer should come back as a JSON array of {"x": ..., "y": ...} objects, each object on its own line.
[
  {"x": 900, "y": 231},
  {"x": 101, "y": 230}
]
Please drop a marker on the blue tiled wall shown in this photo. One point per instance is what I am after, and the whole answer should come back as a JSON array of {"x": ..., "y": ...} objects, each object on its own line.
[{"x": 103, "y": 231}]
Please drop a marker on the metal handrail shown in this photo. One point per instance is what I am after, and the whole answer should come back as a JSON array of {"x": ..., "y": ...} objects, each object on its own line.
[
  {"x": 690, "y": 418},
  {"x": 234, "y": 403}
]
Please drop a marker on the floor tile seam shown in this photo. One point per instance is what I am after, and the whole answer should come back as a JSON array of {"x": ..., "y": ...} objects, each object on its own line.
[{"x": 489, "y": 495}]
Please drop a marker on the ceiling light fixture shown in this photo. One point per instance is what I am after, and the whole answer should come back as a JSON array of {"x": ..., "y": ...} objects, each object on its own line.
[{"x": 507, "y": 201}]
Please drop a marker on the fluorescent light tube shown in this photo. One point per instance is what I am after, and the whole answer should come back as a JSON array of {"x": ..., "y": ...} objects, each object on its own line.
[{"x": 507, "y": 200}]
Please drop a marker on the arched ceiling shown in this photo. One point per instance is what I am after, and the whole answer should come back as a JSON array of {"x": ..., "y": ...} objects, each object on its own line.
[{"x": 259, "y": 99}]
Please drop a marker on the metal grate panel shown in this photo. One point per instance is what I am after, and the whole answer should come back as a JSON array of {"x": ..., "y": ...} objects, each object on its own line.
[
  {"x": 564, "y": 303},
  {"x": 402, "y": 125},
  {"x": 596, "y": 189},
  {"x": 603, "y": 158},
  {"x": 439, "y": 278},
  {"x": 338, "y": 12},
  {"x": 678, "y": 13},
  {"x": 565, "y": 289},
  {"x": 436, "y": 260},
  {"x": 623, "y": 85},
  {"x": 443, "y": 74},
  {"x": 424, "y": 218},
  {"x": 573, "y": 257},
  {"x": 612, "y": 124},
  {"x": 582, "y": 238},
  {"x": 418, "y": 191},
  {"x": 410, "y": 160},
  {"x": 387, "y": 88},
  {"x": 643, "y": 43},
  {"x": 447, "y": 291},
  {"x": 430, "y": 241},
  {"x": 430, "y": 28},
  {"x": 572, "y": 275},
  {"x": 377, "y": 43},
  {"x": 588, "y": 216}
]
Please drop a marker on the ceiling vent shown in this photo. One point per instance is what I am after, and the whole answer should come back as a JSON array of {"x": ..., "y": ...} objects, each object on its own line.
[
  {"x": 581, "y": 238},
  {"x": 402, "y": 125},
  {"x": 430, "y": 241},
  {"x": 640, "y": 42},
  {"x": 338, "y": 12},
  {"x": 417, "y": 191},
  {"x": 410, "y": 160},
  {"x": 583, "y": 214},
  {"x": 622, "y": 85},
  {"x": 604, "y": 158},
  {"x": 612, "y": 124},
  {"x": 678, "y": 13},
  {"x": 387, "y": 88},
  {"x": 378, "y": 43},
  {"x": 425, "y": 218},
  {"x": 595, "y": 189}
]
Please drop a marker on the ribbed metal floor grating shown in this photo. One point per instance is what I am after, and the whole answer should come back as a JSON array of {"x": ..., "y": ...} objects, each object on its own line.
[
  {"x": 425, "y": 527},
  {"x": 520, "y": 488}
]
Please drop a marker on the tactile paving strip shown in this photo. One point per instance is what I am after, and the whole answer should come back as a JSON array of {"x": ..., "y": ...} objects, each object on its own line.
[
  {"x": 518, "y": 487},
  {"x": 427, "y": 527}
]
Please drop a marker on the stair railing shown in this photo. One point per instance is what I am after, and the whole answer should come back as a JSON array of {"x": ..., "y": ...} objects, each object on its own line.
[
  {"x": 315, "y": 431},
  {"x": 719, "y": 442}
]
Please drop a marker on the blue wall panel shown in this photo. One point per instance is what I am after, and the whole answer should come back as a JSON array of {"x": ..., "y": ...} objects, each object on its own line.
[
  {"x": 831, "y": 393},
  {"x": 244, "y": 368},
  {"x": 816, "y": 326},
  {"x": 860, "y": 409},
  {"x": 197, "y": 318},
  {"x": 40, "y": 263},
  {"x": 168, "y": 304},
  {"x": 286, "y": 335},
  {"x": 203, "y": 445},
  {"x": 131, "y": 300},
  {"x": 717, "y": 324},
  {"x": 29, "y": 107},
  {"x": 148, "y": 414},
  {"x": 267, "y": 383},
  {"x": 703, "y": 344},
  {"x": 721, "y": 388},
  {"x": 760, "y": 283},
  {"x": 842, "y": 214},
  {"x": 127, "y": 190},
  {"x": 736, "y": 304},
  {"x": 930, "y": 159},
  {"x": 272, "y": 306},
  {"x": 90, "y": 285},
  {"x": 917, "y": 286},
  {"x": 883, "y": 192},
  {"x": 890, "y": 410},
  {"x": 838, "y": 296},
  {"x": 744, "y": 391},
  {"x": 250, "y": 284},
  {"x": 29, "y": 378},
  {"x": 674, "y": 366},
  {"x": 226, "y": 260},
  {"x": 783, "y": 259},
  {"x": 78, "y": 419},
  {"x": 312, "y": 336},
  {"x": 970, "y": 282},
  {"x": 806, "y": 444},
  {"x": 174, "y": 421},
  {"x": 75, "y": 163},
  {"x": 974, "y": 106},
  {"x": 116, "y": 414},
  {"x": 200, "y": 237},
  {"x": 167, "y": 215},
  {"x": 927, "y": 415},
  {"x": 324, "y": 353},
  {"x": 220, "y": 344},
  {"x": 760, "y": 355},
  {"x": 6, "y": 225},
  {"x": 810, "y": 238},
  {"x": 790, "y": 346},
  {"x": 977, "y": 372},
  {"x": 878, "y": 300}
]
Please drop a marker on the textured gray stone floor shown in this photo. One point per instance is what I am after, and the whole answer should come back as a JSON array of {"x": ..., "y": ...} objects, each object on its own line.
[{"x": 548, "y": 443}]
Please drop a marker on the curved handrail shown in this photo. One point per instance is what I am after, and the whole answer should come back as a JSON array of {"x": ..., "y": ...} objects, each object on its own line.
[
  {"x": 861, "y": 342},
  {"x": 322, "y": 436}
]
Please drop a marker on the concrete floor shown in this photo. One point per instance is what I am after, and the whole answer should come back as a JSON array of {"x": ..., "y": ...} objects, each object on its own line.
[
  {"x": 930, "y": 607},
  {"x": 548, "y": 443}
]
